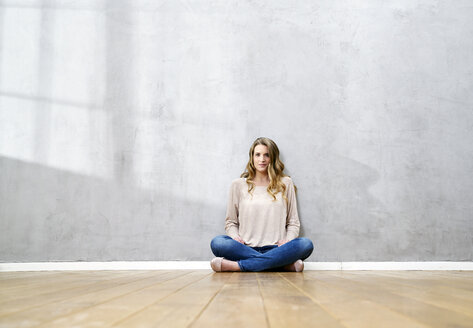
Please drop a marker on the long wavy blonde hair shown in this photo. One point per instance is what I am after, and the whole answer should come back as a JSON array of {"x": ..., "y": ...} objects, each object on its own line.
[{"x": 275, "y": 169}]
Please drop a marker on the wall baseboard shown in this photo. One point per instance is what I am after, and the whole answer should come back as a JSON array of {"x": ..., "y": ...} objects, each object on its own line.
[{"x": 204, "y": 265}]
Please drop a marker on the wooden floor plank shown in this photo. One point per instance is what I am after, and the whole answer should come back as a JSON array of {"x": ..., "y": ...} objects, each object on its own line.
[
  {"x": 238, "y": 304},
  {"x": 48, "y": 312},
  {"x": 425, "y": 284},
  {"x": 13, "y": 277},
  {"x": 33, "y": 281},
  {"x": 17, "y": 289},
  {"x": 54, "y": 283},
  {"x": 352, "y": 311},
  {"x": 429, "y": 278},
  {"x": 445, "y": 297},
  {"x": 181, "y": 308},
  {"x": 431, "y": 315},
  {"x": 286, "y": 306},
  {"x": 454, "y": 274},
  {"x": 66, "y": 292},
  {"x": 115, "y": 310}
]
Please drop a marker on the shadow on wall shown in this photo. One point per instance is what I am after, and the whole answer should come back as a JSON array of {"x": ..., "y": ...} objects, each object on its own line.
[
  {"x": 352, "y": 222},
  {"x": 53, "y": 215}
]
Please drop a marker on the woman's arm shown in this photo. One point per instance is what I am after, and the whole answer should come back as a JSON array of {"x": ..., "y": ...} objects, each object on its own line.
[
  {"x": 292, "y": 219},
  {"x": 231, "y": 219}
]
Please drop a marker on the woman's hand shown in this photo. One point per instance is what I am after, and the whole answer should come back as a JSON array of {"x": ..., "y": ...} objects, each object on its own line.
[
  {"x": 238, "y": 239},
  {"x": 282, "y": 242}
]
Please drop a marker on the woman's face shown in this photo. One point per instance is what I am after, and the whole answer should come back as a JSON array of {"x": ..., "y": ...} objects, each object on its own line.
[{"x": 261, "y": 158}]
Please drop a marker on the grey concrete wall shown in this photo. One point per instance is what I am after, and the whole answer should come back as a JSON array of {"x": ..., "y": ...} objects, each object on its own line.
[{"x": 122, "y": 124}]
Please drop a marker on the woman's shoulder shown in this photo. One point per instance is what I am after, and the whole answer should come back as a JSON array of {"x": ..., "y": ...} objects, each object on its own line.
[
  {"x": 287, "y": 180},
  {"x": 238, "y": 181}
]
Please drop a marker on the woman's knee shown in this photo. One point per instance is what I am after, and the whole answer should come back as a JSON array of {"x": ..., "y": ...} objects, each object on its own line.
[
  {"x": 306, "y": 246},
  {"x": 219, "y": 243}
]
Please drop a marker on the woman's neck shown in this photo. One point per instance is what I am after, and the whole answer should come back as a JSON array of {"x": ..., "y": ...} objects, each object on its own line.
[{"x": 261, "y": 179}]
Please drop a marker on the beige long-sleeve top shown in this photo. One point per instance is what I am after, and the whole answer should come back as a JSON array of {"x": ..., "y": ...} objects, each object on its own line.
[{"x": 260, "y": 221}]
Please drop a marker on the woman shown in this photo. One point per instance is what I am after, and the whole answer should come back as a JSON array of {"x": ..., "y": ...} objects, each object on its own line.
[{"x": 262, "y": 222}]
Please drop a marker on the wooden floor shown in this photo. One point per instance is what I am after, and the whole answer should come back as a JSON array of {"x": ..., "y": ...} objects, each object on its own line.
[{"x": 201, "y": 298}]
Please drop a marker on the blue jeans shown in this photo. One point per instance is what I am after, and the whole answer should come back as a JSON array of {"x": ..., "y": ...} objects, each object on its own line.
[{"x": 265, "y": 258}]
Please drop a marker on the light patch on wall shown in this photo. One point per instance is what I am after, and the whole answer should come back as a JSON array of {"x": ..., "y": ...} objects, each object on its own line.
[
  {"x": 51, "y": 104},
  {"x": 77, "y": 139}
]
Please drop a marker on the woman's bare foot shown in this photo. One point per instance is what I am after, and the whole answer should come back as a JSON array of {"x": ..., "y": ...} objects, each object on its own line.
[
  {"x": 228, "y": 265},
  {"x": 297, "y": 266}
]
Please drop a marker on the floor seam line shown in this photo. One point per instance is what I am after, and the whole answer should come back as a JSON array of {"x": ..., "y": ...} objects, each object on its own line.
[{"x": 210, "y": 301}]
